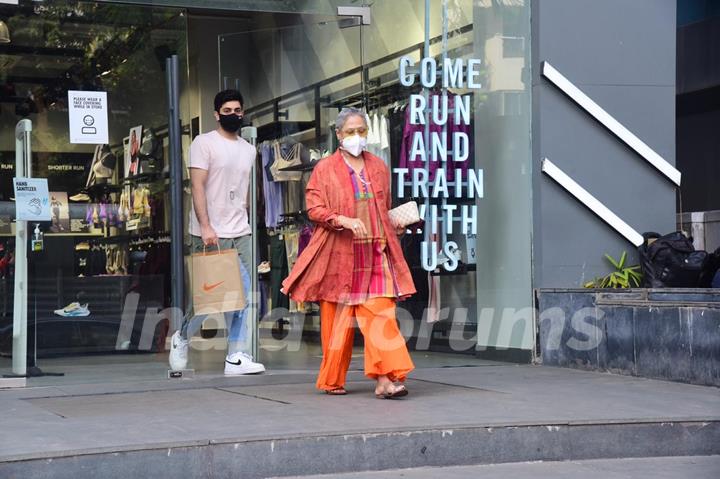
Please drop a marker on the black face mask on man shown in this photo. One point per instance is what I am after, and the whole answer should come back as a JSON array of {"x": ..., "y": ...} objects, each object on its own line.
[{"x": 230, "y": 123}]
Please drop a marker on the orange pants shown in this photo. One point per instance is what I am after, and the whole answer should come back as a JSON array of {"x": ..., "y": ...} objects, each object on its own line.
[{"x": 385, "y": 349}]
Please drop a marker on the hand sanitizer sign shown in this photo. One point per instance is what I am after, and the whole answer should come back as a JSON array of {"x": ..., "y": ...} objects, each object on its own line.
[{"x": 32, "y": 199}]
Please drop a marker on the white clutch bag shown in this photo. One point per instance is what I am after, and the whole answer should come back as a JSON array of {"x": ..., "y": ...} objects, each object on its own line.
[{"x": 405, "y": 215}]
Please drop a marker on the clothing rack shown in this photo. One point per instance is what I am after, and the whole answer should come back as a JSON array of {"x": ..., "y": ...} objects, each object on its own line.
[
  {"x": 99, "y": 189},
  {"x": 149, "y": 240},
  {"x": 297, "y": 96},
  {"x": 378, "y": 97},
  {"x": 149, "y": 177},
  {"x": 303, "y": 167},
  {"x": 161, "y": 133},
  {"x": 146, "y": 238},
  {"x": 294, "y": 219},
  {"x": 278, "y": 129}
]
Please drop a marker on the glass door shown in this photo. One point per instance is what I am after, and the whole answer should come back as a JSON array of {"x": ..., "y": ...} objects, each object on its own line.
[
  {"x": 293, "y": 85},
  {"x": 98, "y": 265},
  {"x": 470, "y": 264}
]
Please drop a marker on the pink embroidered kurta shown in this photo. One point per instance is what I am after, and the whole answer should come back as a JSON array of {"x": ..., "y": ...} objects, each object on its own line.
[{"x": 373, "y": 276}]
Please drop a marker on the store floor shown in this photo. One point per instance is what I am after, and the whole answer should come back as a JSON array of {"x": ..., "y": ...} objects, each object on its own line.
[{"x": 207, "y": 359}]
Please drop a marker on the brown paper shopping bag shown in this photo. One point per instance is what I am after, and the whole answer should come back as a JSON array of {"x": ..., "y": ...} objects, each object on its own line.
[{"x": 216, "y": 282}]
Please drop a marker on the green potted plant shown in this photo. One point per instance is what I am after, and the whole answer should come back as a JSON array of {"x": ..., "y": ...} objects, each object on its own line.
[{"x": 622, "y": 277}]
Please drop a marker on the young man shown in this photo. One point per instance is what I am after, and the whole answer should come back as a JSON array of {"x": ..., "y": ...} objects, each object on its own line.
[{"x": 220, "y": 168}]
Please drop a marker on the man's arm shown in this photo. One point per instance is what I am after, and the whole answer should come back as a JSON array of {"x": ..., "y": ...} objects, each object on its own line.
[{"x": 198, "y": 180}]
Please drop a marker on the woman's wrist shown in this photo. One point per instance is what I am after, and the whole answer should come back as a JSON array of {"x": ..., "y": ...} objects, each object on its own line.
[{"x": 336, "y": 222}]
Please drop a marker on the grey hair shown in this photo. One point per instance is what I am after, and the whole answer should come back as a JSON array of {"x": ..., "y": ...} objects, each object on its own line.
[{"x": 346, "y": 113}]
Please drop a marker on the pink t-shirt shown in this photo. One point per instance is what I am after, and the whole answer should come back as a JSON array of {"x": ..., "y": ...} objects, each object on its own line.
[{"x": 229, "y": 166}]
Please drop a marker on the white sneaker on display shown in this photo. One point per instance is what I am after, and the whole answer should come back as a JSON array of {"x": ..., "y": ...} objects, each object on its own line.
[
  {"x": 73, "y": 310},
  {"x": 80, "y": 197},
  {"x": 241, "y": 363},
  {"x": 178, "y": 352}
]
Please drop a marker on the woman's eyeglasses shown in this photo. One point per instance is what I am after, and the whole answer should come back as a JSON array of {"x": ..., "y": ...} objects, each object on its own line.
[{"x": 362, "y": 131}]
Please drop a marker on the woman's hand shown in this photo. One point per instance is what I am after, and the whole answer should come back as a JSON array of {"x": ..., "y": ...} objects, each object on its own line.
[
  {"x": 399, "y": 229},
  {"x": 354, "y": 225}
]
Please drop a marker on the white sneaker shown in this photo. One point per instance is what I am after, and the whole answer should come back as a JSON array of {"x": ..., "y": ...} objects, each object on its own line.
[
  {"x": 241, "y": 363},
  {"x": 178, "y": 352},
  {"x": 73, "y": 310},
  {"x": 80, "y": 197}
]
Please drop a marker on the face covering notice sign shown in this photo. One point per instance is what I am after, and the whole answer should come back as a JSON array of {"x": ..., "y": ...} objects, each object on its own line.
[{"x": 88, "y": 117}]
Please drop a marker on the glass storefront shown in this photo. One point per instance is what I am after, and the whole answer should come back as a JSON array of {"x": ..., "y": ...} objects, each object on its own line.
[
  {"x": 103, "y": 272},
  {"x": 101, "y": 263}
]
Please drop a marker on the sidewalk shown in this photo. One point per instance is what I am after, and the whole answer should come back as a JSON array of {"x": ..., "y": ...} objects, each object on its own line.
[{"x": 278, "y": 424}]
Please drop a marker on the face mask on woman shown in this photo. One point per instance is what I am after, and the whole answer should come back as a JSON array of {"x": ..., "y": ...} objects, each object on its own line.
[{"x": 354, "y": 144}]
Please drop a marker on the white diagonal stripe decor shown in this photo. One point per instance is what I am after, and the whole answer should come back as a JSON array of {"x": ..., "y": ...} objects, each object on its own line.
[
  {"x": 591, "y": 202},
  {"x": 610, "y": 123}
]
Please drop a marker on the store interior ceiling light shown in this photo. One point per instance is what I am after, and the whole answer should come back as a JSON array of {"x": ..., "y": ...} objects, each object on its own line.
[{"x": 4, "y": 33}]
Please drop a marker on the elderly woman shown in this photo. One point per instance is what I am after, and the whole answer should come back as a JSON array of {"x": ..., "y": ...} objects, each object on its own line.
[{"x": 354, "y": 266}]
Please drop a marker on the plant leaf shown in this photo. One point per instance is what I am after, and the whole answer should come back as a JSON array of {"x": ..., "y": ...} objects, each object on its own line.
[
  {"x": 622, "y": 260},
  {"x": 612, "y": 260},
  {"x": 634, "y": 274}
]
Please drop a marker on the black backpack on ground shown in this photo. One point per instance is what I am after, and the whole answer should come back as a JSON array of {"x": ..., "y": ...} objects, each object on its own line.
[
  {"x": 670, "y": 261},
  {"x": 711, "y": 270}
]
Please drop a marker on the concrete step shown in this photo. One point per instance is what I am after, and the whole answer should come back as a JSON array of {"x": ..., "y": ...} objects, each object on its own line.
[
  {"x": 262, "y": 426},
  {"x": 379, "y": 450},
  {"x": 697, "y": 467}
]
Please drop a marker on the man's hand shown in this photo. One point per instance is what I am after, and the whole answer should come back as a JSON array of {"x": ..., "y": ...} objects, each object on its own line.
[{"x": 209, "y": 236}]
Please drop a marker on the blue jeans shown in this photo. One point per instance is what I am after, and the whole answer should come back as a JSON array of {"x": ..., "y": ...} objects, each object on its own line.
[{"x": 238, "y": 334}]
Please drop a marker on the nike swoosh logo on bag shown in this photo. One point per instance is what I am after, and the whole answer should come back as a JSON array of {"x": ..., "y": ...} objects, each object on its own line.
[{"x": 209, "y": 287}]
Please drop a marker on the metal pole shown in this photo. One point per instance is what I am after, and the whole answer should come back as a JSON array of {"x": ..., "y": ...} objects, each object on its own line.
[
  {"x": 364, "y": 74},
  {"x": 443, "y": 201},
  {"x": 429, "y": 226},
  {"x": 23, "y": 169},
  {"x": 250, "y": 134},
  {"x": 177, "y": 267}
]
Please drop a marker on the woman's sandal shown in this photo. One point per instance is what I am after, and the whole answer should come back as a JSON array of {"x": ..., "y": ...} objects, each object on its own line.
[
  {"x": 336, "y": 392},
  {"x": 400, "y": 391}
]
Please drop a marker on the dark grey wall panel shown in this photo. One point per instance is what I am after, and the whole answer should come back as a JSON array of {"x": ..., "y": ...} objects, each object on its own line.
[
  {"x": 698, "y": 56},
  {"x": 608, "y": 41},
  {"x": 622, "y": 55},
  {"x": 698, "y": 157}
]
